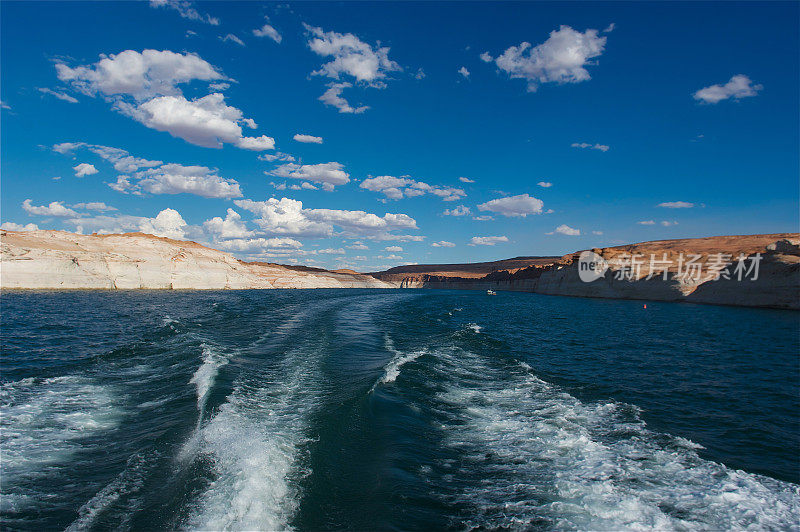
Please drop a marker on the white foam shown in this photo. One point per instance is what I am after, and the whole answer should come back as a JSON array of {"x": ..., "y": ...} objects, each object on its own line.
[
  {"x": 42, "y": 423},
  {"x": 254, "y": 442},
  {"x": 530, "y": 450},
  {"x": 392, "y": 369},
  {"x": 204, "y": 377},
  {"x": 475, "y": 327}
]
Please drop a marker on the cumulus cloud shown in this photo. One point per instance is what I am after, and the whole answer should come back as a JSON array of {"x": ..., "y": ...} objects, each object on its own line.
[
  {"x": 394, "y": 249},
  {"x": 400, "y": 187},
  {"x": 268, "y": 31},
  {"x": 358, "y": 245},
  {"x": 466, "y": 180},
  {"x": 308, "y": 139},
  {"x": 60, "y": 95},
  {"x": 647, "y": 222},
  {"x": 93, "y": 206},
  {"x": 168, "y": 223},
  {"x": 483, "y": 218},
  {"x": 443, "y": 244},
  {"x": 350, "y": 57},
  {"x": 589, "y": 145},
  {"x": 333, "y": 97},
  {"x": 156, "y": 177},
  {"x": 545, "y": 184},
  {"x": 739, "y": 86},
  {"x": 486, "y": 57},
  {"x": 464, "y": 72},
  {"x": 667, "y": 223},
  {"x": 521, "y": 205},
  {"x": 84, "y": 169},
  {"x": 11, "y": 226},
  {"x": 460, "y": 210},
  {"x": 564, "y": 229},
  {"x": 145, "y": 86},
  {"x": 277, "y": 156},
  {"x": 288, "y": 217},
  {"x": 55, "y": 208},
  {"x": 259, "y": 244},
  {"x": 562, "y": 58},
  {"x": 487, "y": 240},
  {"x": 676, "y": 205},
  {"x": 328, "y": 175},
  {"x": 186, "y": 10}
]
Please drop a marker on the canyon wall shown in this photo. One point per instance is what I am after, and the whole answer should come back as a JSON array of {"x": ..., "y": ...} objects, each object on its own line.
[{"x": 62, "y": 260}]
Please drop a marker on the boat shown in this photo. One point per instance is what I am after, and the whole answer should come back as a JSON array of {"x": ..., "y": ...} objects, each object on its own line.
[{"x": 491, "y": 293}]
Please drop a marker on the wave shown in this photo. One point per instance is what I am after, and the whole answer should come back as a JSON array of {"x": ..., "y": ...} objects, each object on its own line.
[
  {"x": 392, "y": 369},
  {"x": 205, "y": 375},
  {"x": 43, "y": 422},
  {"x": 532, "y": 454}
]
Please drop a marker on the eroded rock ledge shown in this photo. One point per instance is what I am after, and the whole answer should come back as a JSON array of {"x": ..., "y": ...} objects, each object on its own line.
[{"x": 62, "y": 260}]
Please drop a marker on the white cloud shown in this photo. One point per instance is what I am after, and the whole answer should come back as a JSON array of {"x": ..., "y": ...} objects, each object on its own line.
[
  {"x": 466, "y": 180},
  {"x": 56, "y": 208},
  {"x": 277, "y": 156},
  {"x": 144, "y": 86},
  {"x": 676, "y": 205},
  {"x": 205, "y": 121},
  {"x": 400, "y": 187},
  {"x": 230, "y": 227},
  {"x": 358, "y": 245},
  {"x": 460, "y": 210},
  {"x": 483, "y": 218},
  {"x": 11, "y": 226},
  {"x": 564, "y": 229},
  {"x": 350, "y": 56},
  {"x": 331, "y": 174},
  {"x": 562, "y": 58},
  {"x": 486, "y": 57},
  {"x": 94, "y": 206},
  {"x": 268, "y": 31},
  {"x": 288, "y": 217},
  {"x": 585, "y": 145},
  {"x": 233, "y": 38},
  {"x": 545, "y": 184},
  {"x": 186, "y": 10},
  {"x": 168, "y": 223},
  {"x": 179, "y": 179},
  {"x": 140, "y": 75},
  {"x": 394, "y": 249},
  {"x": 521, "y": 205},
  {"x": 333, "y": 97},
  {"x": 610, "y": 28},
  {"x": 647, "y": 222},
  {"x": 597, "y": 232},
  {"x": 259, "y": 244},
  {"x": 443, "y": 244},
  {"x": 739, "y": 86},
  {"x": 487, "y": 240},
  {"x": 60, "y": 95},
  {"x": 667, "y": 223},
  {"x": 156, "y": 177},
  {"x": 464, "y": 72},
  {"x": 84, "y": 169},
  {"x": 309, "y": 139}
]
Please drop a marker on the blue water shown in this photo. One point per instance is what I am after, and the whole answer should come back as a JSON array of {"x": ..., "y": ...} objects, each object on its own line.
[{"x": 395, "y": 410}]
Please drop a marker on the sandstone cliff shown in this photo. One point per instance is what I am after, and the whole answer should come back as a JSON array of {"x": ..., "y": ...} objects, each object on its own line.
[
  {"x": 58, "y": 259},
  {"x": 777, "y": 284}
]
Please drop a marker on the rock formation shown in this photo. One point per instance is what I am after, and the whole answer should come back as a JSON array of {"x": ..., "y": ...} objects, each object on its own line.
[
  {"x": 701, "y": 270},
  {"x": 59, "y": 260}
]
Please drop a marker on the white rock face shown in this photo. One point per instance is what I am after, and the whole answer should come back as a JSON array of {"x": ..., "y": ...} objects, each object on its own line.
[{"x": 61, "y": 260}]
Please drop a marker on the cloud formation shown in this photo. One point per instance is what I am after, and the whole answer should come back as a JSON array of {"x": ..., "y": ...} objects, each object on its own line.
[
  {"x": 328, "y": 175},
  {"x": 186, "y": 10},
  {"x": 521, "y": 205},
  {"x": 399, "y": 187},
  {"x": 55, "y": 208},
  {"x": 676, "y": 205},
  {"x": 562, "y": 58},
  {"x": 487, "y": 240},
  {"x": 308, "y": 139},
  {"x": 739, "y": 86},
  {"x": 84, "y": 169},
  {"x": 145, "y": 87},
  {"x": 589, "y": 145},
  {"x": 268, "y": 31},
  {"x": 443, "y": 244}
]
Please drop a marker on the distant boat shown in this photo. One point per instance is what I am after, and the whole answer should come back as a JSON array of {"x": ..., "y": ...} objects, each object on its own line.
[{"x": 491, "y": 293}]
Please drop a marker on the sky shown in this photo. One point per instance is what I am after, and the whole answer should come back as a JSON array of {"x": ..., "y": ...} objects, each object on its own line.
[{"x": 371, "y": 135}]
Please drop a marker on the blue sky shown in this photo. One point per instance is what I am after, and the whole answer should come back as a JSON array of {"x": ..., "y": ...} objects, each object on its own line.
[{"x": 429, "y": 128}]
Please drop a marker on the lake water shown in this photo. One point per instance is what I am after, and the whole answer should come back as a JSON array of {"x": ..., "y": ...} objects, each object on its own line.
[{"x": 399, "y": 409}]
